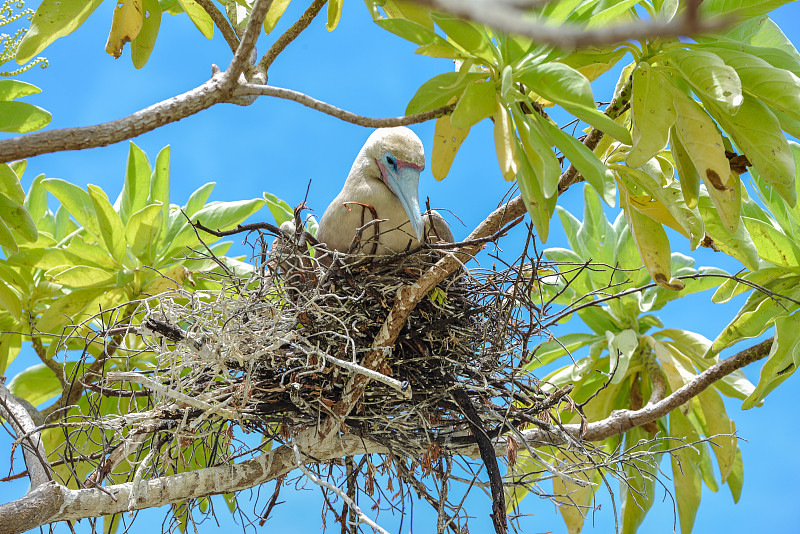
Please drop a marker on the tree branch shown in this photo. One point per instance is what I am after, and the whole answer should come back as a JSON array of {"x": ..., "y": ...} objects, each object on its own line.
[
  {"x": 53, "y": 502},
  {"x": 301, "y": 98},
  {"x": 22, "y": 423},
  {"x": 507, "y": 18}
]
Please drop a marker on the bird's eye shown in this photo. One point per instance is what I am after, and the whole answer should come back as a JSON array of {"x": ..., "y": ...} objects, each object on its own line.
[{"x": 391, "y": 161}]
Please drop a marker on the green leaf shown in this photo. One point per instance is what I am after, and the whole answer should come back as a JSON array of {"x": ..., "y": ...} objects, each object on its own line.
[
  {"x": 410, "y": 31},
  {"x": 478, "y": 102},
  {"x": 36, "y": 384},
  {"x": 737, "y": 244},
  {"x": 11, "y": 89},
  {"x": 717, "y": 423},
  {"x": 559, "y": 83},
  {"x": 757, "y": 315},
  {"x": 82, "y": 276},
  {"x": 53, "y": 19},
  {"x": 216, "y": 216},
  {"x": 36, "y": 199},
  {"x": 741, "y": 9},
  {"x": 594, "y": 62},
  {"x": 551, "y": 350},
  {"x": 111, "y": 228},
  {"x": 736, "y": 478},
  {"x": 91, "y": 254},
  {"x": 638, "y": 497},
  {"x": 48, "y": 258},
  {"x": 732, "y": 288},
  {"x": 782, "y": 362},
  {"x": 142, "y": 45},
  {"x": 9, "y": 184},
  {"x": 759, "y": 32},
  {"x": 777, "y": 88},
  {"x": 543, "y": 161},
  {"x": 708, "y": 75},
  {"x": 334, "y": 14},
  {"x": 446, "y": 141},
  {"x": 699, "y": 136},
  {"x": 76, "y": 201},
  {"x": 439, "y": 90},
  {"x": 280, "y": 210},
  {"x": 137, "y": 185},
  {"x": 66, "y": 309},
  {"x": 10, "y": 302},
  {"x": 621, "y": 347},
  {"x": 15, "y": 216},
  {"x": 198, "y": 199},
  {"x": 685, "y": 471},
  {"x": 274, "y": 14},
  {"x": 652, "y": 114},
  {"x": 689, "y": 178},
  {"x": 199, "y": 17},
  {"x": 587, "y": 163},
  {"x": 757, "y": 133},
  {"x": 773, "y": 245},
  {"x": 21, "y": 117},
  {"x": 143, "y": 231},
  {"x": 468, "y": 36},
  {"x": 159, "y": 184}
]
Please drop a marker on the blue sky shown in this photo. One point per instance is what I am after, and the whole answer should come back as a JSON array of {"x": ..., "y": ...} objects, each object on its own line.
[{"x": 278, "y": 146}]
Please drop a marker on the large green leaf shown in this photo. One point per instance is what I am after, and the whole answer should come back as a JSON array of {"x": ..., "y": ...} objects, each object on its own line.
[
  {"x": 142, "y": 45},
  {"x": 143, "y": 231},
  {"x": 36, "y": 384},
  {"x": 216, "y": 216},
  {"x": 53, "y": 19},
  {"x": 559, "y": 83},
  {"x": 439, "y": 90},
  {"x": 478, "y": 102},
  {"x": 709, "y": 75},
  {"x": 587, "y": 163},
  {"x": 784, "y": 357},
  {"x": 470, "y": 37},
  {"x": 200, "y": 18},
  {"x": 15, "y": 216},
  {"x": 66, "y": 309},
  {"x": 21, "y": 117},
  {"x": 757, "y": 132},
  {"x": 685, "y": 472},
  {"x": 136, "y": 187},
  {"x": 276, "y": 11},
  {"x": 652, "y": 114},
  {"x": 411, "y": 31},
  {"x": 551, "y": 350},
  {"x": 11, "y": 89},
  {"x": 773, "y": 245},
  {"x": 640, "y": 476},
  {"x": 742, "y": 9},
  {"x": 111, "y": 228},
  {"x": 76, "y": 201},
  {"x": 737, "y": 244}
]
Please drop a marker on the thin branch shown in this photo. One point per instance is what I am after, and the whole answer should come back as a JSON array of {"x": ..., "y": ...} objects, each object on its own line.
[
  {"x": 505, "y": 18},
  {"x": 347, "y": 116},
  {"x": 23, "y": 425},
  {"x": 290, "y": 35},
  {"x": 222, "y": 23}
]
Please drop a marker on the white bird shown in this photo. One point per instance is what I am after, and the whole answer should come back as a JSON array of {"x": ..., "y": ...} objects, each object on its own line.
[{"x": 383, "y": 178}]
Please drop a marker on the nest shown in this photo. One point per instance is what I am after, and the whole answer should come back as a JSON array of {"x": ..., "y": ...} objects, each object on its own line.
[{"x": 275, "y": 351}]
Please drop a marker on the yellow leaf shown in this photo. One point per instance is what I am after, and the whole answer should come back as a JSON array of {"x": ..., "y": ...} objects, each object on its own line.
[
  {"x": 334, "y": 14},
  {"x": 657, "y": 211},
  {"x": 274, "y": 14},
  {"x": 699, "y": 136},
  {"x": 652, "y": 114},
  {"x": 653, "y": 245},
  {"x": 125, "y": 25},
  {"x": 504, "y": 142},
  {"x": 446, "y": 141}
]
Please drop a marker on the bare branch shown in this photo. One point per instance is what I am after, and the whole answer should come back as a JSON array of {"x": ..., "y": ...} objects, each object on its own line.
[
  {"x": 247, "y": 44},
  {"x": 23, "y": 425},
  {"x": 290, "y": 35},
  {"x": 301, "y": 98},
  {"x": 53, "y": 502},
  {"x": 222, "y": 23},
  {"x": 506, "y": 18}
]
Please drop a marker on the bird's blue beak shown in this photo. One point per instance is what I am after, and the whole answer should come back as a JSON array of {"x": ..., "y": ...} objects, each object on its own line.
[{"x": 404, "y": 182}]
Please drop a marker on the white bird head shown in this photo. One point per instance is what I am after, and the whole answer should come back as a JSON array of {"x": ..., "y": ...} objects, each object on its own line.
[{"x": 396, "y": 157}]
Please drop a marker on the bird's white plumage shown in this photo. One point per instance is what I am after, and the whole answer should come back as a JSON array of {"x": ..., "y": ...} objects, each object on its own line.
[{"x": 365, "y": 187}]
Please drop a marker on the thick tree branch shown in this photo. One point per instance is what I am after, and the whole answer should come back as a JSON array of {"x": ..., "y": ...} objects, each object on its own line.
[
  {"x": 23, "y": 425},
  {"x": 53, "y": 502},
  {"x": 507, "y": 18}
]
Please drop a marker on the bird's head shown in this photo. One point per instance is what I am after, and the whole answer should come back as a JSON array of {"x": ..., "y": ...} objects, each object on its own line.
[{"x": 400, "y": 157}]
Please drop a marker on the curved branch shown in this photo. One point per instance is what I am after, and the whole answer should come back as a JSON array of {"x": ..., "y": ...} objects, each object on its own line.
[
  {"x": 53, "y": 502},
  {"x": 302, "y": 98},
  {"x": 32, "y": 448}
]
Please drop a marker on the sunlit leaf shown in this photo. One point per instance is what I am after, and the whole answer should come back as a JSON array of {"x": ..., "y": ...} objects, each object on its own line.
[
  {"x": 652, "y": 114},
  {"x": 199, "y": 17},
  {"x": 142, "y": 45},
  {"x": 447, "y": 140},
  {"x": 53, "y": 19},
  {"x": 782, "y": 362}
]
